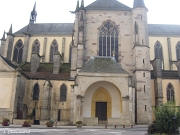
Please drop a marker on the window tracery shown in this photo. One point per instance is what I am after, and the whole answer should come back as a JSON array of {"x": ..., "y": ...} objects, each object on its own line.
[
  {"x": 36, "y": 46},
  {"x": 170, "y": 92},
  {"x": 18, "y": 51},
  {"x": 63, "y": 93},
  {"x": 36, "y": 92},
  {"x": 108, "y": 40},
  {"x": 53, "y": 49}
]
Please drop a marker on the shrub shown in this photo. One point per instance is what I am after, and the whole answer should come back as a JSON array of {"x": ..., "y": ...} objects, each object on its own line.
[
  {"x": 50, "y": 123},
  {"x": 164, "y": 118},
  {"x": 6, "y": 120},
  {"x": 27, "y": 123},
  {"x": 79, "y": 122}
]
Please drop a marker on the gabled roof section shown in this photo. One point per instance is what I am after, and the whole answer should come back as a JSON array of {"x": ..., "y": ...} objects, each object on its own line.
[
  {"x": 164, "y": 29},
  {"x": 108, "y": 5},
  {"x": 103, "y": 65},
  {"x": 47, "y": 28},
  {"x": 8, "y": 62}
]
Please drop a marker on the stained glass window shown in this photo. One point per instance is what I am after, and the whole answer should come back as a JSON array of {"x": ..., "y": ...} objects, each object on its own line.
[
  {"x": 178, "y": 51},
  {"x": 63, "y": 93},
  {"x": 159, "y": 52},
  {"x": 53, "y": 49},
  {"x": 18, "y": 51},
  {"x": 170, "y": 92},
  {"x": 36, "y": 92},
  {"x": 36, "y": 46},
  {"x": 108, "y": 40}
]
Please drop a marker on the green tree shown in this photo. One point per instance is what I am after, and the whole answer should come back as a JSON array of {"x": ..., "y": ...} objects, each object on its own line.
[{"x": 164, "y": 114}]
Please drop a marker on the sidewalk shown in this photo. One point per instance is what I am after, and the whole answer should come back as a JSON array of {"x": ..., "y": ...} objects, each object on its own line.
[{"x": 74, "y": 127}]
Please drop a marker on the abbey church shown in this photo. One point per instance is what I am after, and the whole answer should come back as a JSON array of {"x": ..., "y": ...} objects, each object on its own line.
[{"x": 108, "y": 67}]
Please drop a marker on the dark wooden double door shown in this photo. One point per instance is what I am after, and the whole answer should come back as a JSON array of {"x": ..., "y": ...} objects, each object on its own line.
[{"x": 101, "y": 111}]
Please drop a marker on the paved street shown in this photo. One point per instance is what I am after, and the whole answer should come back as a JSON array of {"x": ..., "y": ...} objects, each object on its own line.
[{"x": 25, "y": 131}]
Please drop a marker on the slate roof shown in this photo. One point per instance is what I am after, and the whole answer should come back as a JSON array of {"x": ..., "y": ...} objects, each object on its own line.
[
  {"x": 164, "y": 29},
  {"x": 8, "y": 62},
  {"x": 67, "y": 28},
  {"x": 103, "y": 65},
  {"x": 138, "y": 3},
  {"x": 48, "y": 28},
  {"x": 46, "y": 70},
  {"x": 107, "y": 5}
]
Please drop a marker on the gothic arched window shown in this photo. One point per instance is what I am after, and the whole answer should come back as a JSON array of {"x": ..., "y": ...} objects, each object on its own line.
[
  {"x": 54, "y": 49},
  {"x": 108, "y": 40},
  {"x": 158, "y": 51},
  {"x": 18, "y": 51},
  {"x": 36, "y": 46},
  {"x": 170, "y": 92},
  {"x": 63, "y": 93},
  {"x": 36, "y": 92},
  {"x": 178, "y": 51}
]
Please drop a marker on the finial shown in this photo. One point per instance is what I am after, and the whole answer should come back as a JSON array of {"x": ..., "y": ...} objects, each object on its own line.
[
  {"x": 77, "y": 6},
  {"x": 3, "y": 38},
  {"x": 10, "y": 30},
  {"x": 82, "y": 4},
  {"x": 33, "y": 14}
]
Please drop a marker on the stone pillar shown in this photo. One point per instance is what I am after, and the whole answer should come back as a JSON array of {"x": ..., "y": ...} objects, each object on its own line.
[
  {"x": 2, "y": 47},
  {"x": 74, "y": 61},
  {"x": 56, "y": 63},
  {"x": 157, "y": 66},
  {"x": 8, "y": 46},
  {"x": 80, "y": 56},
  {"x": 169, "y": 52},
  {"x": 46, "y": 100},
  {"x": 63, "y": 47},
  {"x": 35, "y": 62},
  {"x": 44, "y": 50},
  {"x": 72, "y": 105},
  {"x": 26, "y": 47},
  {"x": 178, "y": 67}
]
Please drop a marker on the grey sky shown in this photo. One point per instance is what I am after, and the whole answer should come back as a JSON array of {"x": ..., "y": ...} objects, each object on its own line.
[{"x": 17, "y": 12}]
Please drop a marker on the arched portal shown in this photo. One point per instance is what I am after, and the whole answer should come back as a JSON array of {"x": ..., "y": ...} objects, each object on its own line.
[
  {"x": 102, "y": 94},
  {"x": 101, "y": 104}
]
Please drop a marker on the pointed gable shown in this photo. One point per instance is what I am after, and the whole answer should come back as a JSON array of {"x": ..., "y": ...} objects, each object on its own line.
[
  {"x": 108, "y": 5},
  {"x": 6, "y": 65}
]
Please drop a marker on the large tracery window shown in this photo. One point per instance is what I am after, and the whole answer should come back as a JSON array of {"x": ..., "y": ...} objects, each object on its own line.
[
  {"x": 36, "y": 46},
  {"x": 63, "y": 93},
  {"x": 54, "y": 49},
  {"x": 158, "y": 51},
  {"x": 36, "y": 92},
  {"x": 178, "y": 51},
  {"x": 18, "y": 51},
  {"x": 108, "y": 40},
  {"x": 170, "y": 92}
]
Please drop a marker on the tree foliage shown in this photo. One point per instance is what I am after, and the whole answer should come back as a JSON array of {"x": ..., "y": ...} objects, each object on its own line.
[{"x": 164, "y": 122}]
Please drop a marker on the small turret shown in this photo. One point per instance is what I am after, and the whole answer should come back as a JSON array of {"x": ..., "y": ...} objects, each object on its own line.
[
  {"x": 82, "y": 4},
  {"x": 77, "y": 7},
  {"x": 3, "y": 38},
  {"x": 10, "y": 30},
  {"x": 139, "y": 3},
  {"x": 33, "y": 15}
]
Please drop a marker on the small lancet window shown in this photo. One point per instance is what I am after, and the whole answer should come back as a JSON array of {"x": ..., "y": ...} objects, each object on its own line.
[
  {"x": 36, "y": 46},
  {"x": 36, "y": 92},
  {"x": 53, "y": 50},
  {"x": 18, "y": 51},
  {"x": 170, "y": 92},
  {"x": 108, "y": 40},
  {"x": 63, "y": 93},
  {"x": 178, "y": 51}
]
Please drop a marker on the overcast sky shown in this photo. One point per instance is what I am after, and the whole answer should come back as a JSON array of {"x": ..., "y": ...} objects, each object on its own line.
[{"x": 17, "y": 12}]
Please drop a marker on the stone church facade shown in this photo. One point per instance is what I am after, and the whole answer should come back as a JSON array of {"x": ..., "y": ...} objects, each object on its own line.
[{"x": 109, "y": 67}]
